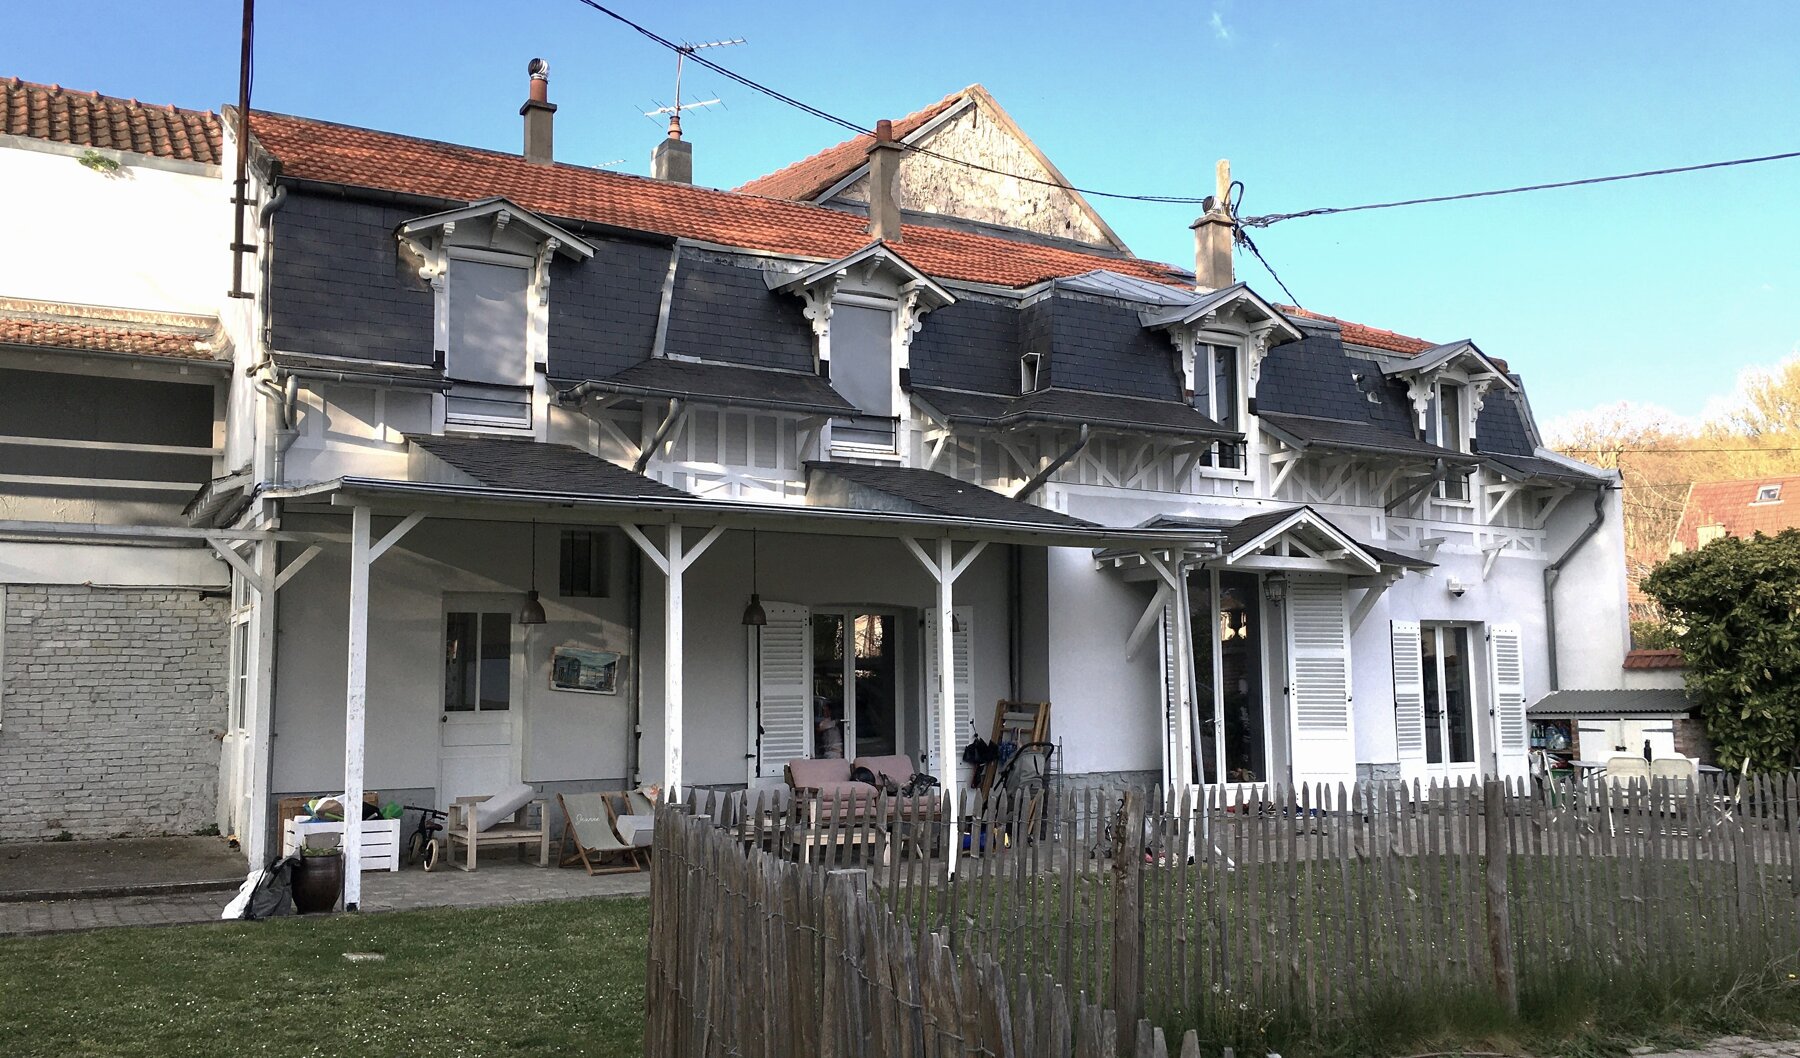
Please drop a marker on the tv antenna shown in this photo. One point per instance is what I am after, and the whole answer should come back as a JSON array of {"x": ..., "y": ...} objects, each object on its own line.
[{"x": 682, "y": 51}]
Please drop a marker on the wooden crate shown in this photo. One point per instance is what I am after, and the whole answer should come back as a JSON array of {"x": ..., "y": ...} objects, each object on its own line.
[{"x": 380, "y": 840}]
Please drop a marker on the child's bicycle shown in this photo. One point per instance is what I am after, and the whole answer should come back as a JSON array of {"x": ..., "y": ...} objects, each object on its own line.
[{"x": 423, "y": 846}]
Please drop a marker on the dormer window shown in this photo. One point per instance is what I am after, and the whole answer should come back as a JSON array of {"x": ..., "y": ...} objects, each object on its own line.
[
  {"x": 1029, "y": 375},
  {"x": 863, "y": 371},
  {"x": 1447, "y": 426},
  {"x": 487, "y": 354},
  {"x": 1218, "y": 394},
  {"x": 489, "y": 265},
  {"x": 1768, "y": 493},
  {"x": 865, "y": 310}
]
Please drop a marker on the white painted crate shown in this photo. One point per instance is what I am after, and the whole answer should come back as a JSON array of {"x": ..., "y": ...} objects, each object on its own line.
[{"x": 380, "y": 840}]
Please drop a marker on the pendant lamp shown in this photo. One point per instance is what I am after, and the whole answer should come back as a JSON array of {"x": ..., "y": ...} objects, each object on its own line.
[
  {"x": 754, "y": 614},
  {"x": 532, "y": 613}
]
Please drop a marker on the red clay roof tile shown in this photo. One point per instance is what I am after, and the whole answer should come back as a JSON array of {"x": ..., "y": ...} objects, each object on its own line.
[
  {"x": 89, "y": 119},
  {"x": 342, "y": 154},
  {"x": 1364, "y": 335},
  {"x": 1654, "y": 659},
  {"x": 47, "y": 325},
  {"x": 807, "y": 178}
]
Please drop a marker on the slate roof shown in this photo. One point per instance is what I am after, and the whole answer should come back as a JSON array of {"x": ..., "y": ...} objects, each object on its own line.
[
  {"x": 1733, "y": 505},
  {"x": 1237, "y": 532},
  {"x": 1579, "y": 704},
  {"x": 929, "y": 492},
  {"x": 727, "y": 384},
  {"x": 80, "y": 328},
  {"x": 1654, "y": 659},
  {"x": 1073, "y": 407},
  {"x": 531, "y": 466},
  {"x": 1538, "y": 468},
  {"x": 342, "y": 154},
  {"x": 810, "y": 177},
  {"x": 89, "y": 119},
  {"x": 1343, "y": 435}
]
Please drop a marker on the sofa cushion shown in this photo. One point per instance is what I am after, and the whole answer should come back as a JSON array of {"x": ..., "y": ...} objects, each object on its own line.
[
  {"x": 897, "y": 768},
  {"x": 503, "y": 804},
  {"x": 806, "y": 774}
]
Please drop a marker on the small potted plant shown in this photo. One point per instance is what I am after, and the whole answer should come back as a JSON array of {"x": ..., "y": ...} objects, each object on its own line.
[{"x": 318, "y": 879}]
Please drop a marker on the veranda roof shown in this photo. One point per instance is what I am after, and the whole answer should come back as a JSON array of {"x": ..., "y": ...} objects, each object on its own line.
[{"x": 1651, "y": 703}]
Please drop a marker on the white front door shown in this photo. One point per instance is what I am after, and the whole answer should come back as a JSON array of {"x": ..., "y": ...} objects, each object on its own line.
[{"x": 483, "y": 684}]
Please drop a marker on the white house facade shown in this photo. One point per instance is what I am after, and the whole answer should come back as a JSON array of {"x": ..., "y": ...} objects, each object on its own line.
[{"x": 511, "y": 452}]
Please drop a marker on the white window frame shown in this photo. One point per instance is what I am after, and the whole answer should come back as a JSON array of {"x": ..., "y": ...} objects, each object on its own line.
[
  {"x": 1767, "y": 494},
  {"x": 898, "y": 400},
  {"x": 1206, "y": 346},
  {"x": 528, "y": 346},
  {"x": 1435, "y": 434},
  {"x": 1031, "y": 368}
]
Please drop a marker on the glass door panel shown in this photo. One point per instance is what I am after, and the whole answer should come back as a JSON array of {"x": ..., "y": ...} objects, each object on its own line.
[
  {"x": 873, "y": 689},
  {"x": 1240, "y": 677},
  {"x": 828, "y": 684},
  {"x": 1459, "y": 719}
]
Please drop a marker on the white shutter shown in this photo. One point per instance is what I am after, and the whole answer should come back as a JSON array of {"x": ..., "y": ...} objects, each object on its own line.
[
  {"x": 1409, "y": 697},
  {"x": 1172, "y": 705},
  {"x": 784, "y": 677},
  {"x": 962, "y": 654},
  {"x": 1319, "y": 639},
  {"x": 1508, "y": 661}
]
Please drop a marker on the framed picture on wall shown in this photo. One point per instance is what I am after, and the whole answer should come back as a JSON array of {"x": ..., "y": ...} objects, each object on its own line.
[{"x": 584, "y": 669}]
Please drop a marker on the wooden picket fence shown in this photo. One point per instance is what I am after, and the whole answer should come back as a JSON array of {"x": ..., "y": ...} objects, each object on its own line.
[{"x": 1071, "y": 915}]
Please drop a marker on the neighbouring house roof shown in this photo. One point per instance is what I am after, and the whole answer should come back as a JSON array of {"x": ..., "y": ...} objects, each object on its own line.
[
  {"x": 530, "y": 466},
  {"x": 90, "y": 329},
  {"x": 1586, "y": 704},
  {"x": 808, "y": 179},
  {"x": 732, "y": 384},
  {"x": 910, "y": 489},
  {"x": 1072, "y": 407},
  {"x": 1344, "y": 435},
  {"x": 1654, "y": 659},
  {"x": 1366, "y": 336},
  {"x": 812, "y": 176},
  {"x": 345, "y": 155},
  {"x": 1733, "y": 506},
  {"x": 89, "y": 119}
]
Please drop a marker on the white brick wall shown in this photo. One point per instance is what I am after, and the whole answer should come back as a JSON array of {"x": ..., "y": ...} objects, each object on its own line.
[{"x": 111, "y": 700}]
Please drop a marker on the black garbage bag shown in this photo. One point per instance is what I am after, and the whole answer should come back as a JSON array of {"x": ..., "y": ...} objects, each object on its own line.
[{"x": 273, "y": 895}]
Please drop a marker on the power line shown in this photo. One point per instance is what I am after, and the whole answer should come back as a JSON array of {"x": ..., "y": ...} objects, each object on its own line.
[{"x": 1326, "y": 211}]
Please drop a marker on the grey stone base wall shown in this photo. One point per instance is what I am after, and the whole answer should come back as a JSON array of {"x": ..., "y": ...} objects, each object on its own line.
[
  {"x": 110, "y": 700},
  {"x": 1382, "y": 772}
]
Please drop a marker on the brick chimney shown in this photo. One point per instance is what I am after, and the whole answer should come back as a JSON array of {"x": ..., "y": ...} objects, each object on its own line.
[
  {"x": 1213, "y": 235},
  {"x": 673, "y": 158},
  {"x": 884, "y": 171},
  {"x": 539, "y": 114}
]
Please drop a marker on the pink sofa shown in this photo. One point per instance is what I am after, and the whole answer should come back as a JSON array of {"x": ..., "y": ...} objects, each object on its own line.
[{"x": 830, "y": 776}]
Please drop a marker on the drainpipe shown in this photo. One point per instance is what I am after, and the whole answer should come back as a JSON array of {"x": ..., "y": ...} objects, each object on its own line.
[
  {"x": 1038, "y": 479},
  {"x": 661, "y": 435},
  {"x": 1554, "y": 570}
]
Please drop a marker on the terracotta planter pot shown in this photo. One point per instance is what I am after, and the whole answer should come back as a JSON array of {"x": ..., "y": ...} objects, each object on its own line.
[{"x": 318, "y": 883}]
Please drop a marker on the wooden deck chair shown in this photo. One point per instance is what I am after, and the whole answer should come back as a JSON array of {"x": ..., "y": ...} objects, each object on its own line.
[{"x": 588, "y": 826}]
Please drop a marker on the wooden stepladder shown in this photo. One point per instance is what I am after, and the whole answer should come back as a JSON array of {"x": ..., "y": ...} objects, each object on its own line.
[{"x": 1020, "y": 723}]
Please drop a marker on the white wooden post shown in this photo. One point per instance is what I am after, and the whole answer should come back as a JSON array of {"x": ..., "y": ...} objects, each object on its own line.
[
  {"x": 1183, "y": 775},
  {"x": 672, "y": 665},
  {"x": 253, "y": 823},
  {"x": 355, "y": 704},
  {"x": 946, "y": 673},
  {"x": 673, "y": 559},
  {"x": 944, "y": 568},
  {"x": 356, "y": 686}
]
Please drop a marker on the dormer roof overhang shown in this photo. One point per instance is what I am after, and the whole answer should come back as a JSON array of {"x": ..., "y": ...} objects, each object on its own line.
[
  {"x": 1464, "y": 356},
  {"x": 1205, "y": 308},
  {"x": 877, "y": 258},
  {"x": 503, "y": 213}
]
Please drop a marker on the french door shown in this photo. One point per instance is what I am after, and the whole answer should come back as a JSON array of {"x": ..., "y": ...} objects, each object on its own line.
[
  {"x": 1448, "y": 674},
  {"x": 855, "y": 684}
]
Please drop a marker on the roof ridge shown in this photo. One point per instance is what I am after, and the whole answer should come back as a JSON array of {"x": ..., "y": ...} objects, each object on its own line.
[{"x": 17, "y": 82}]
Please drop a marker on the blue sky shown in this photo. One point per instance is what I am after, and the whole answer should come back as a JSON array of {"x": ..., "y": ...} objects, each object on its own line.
[{"x": 1658, "y": 292}]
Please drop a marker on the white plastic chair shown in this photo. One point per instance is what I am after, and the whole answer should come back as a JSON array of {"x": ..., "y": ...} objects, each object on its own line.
[{"x": 1621, "y": 772}]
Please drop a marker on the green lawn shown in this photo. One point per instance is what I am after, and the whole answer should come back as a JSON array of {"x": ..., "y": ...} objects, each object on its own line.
[{"x": 559, "y": 978}]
